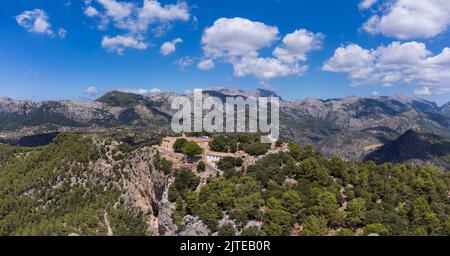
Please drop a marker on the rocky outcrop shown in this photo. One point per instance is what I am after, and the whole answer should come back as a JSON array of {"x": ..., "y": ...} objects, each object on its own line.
[
  {"x": 166, "y": 226},
  {"x": 145, "y": 185},
  {"x": 193, "y": 226}
]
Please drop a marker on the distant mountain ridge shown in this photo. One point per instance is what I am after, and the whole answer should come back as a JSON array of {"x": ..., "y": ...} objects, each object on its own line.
[
  {"x": 445, "y": 109},
  {"x": 350, "y": 127},
  {"x": 417, "y": 147}
]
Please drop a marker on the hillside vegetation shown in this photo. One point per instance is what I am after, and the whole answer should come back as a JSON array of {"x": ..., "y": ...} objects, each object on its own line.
[
  {"x": 58, "y": 190},
  {"x": 53, "y": 190},
  {"x": 301, "y": 193}
]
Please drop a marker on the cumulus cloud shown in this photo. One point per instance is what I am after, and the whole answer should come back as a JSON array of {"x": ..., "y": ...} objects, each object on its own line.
[
  {"x": 119, "y": 43},
  {"x": 239, "y": 41},
  {"x": 116, "y": 10},
  {"x": 91, "y": 12},
  {"x": 206, "y": 64},
  {"x": 366, "y": 4},
  {"x": 236, "y": 37},
  {"x": 351, "y": 59},
  {"x": 134, "y": 19},
  {"x": 91, "y": 90},
  {"x": 297, "y": 45},
  {"x": 266, "y": 68},
  {"x": 397, "y": 63},
  {"x": 406, "y": 19},
  {"x": 170, "y": 47},
  {"x": 152, "y": 11},
  {"x": 35, "y": 21},
  {"x": 422, "y": 91}
]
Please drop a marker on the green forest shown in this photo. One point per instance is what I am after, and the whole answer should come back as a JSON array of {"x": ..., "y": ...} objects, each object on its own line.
[
  {"x": 302, "y": 193},
  {"x": 52, "y": 190}
]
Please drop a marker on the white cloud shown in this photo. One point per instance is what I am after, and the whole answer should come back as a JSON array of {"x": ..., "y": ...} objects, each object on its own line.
[
  {"x": 397, "y": 63},
  {"x": 134, "y": 18},
  {"x": 237, "y": 36},
  {"x": 297, "y": 45},
  {"x": 366, "y": 4},
  {"x": 406, "y": 19},
  {"x": 422, "y": 91},
  {"x": 350, "y": 59},
  {"x": 35, "y": 21},
  {"x": 443, "y": 59},
  {"x": 185, "y": 62},
  {"x": 442, "y": 90},
  {"x": 117, "y": 10},
  {"x": 239, "y": 41},
  {"x": 206, "y": 64},
  {"x": 140, "y": 91},
  {"x": 91, "y": 90},
  {"x": 62, "y": 33},
  {"x": 91, "y": 11},
  {"x": 119, "y": 43},
  {"x": 155, "y": 91},
  {"x": 169, "y": 47},
  {"x": 267, "y": 68},
  {"x": 153, "y": 11}
]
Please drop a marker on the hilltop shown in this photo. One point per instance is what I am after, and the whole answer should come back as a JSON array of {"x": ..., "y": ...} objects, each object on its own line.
[{"x": 416, "y": 147}]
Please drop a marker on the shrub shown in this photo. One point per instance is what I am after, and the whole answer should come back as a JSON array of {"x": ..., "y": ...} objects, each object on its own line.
[
  {"x": 179, "y": 145},
  {"x": 201, "y": 167}
]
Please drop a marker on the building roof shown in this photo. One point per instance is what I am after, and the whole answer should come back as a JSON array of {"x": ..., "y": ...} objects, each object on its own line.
[
  {"x": 198, "y": 139},
  {"x": 220, "y": 154}
]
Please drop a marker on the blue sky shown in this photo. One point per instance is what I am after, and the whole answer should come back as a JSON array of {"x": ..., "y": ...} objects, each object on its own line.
[{"x": 322, "y": 49}]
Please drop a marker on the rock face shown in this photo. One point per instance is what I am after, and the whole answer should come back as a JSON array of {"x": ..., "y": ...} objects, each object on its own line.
[
  {"x": 166, "y": 226},
  {"x": 194, "y": 227},
  {"x": 145, "y": 185},
  {"x": 147, "y": 189}
]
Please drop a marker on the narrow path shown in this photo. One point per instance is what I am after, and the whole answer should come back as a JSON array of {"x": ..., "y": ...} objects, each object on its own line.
[{"x": 109, "y": 231}]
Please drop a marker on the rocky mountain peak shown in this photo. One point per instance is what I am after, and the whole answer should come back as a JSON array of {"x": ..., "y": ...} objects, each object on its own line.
[
  {"x": 266, "y": 93},
  {"x": 445, "y": 109}
]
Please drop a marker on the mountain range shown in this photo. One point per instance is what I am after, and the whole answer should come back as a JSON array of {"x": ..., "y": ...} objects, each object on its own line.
[{"x": 354, "y": 128}]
